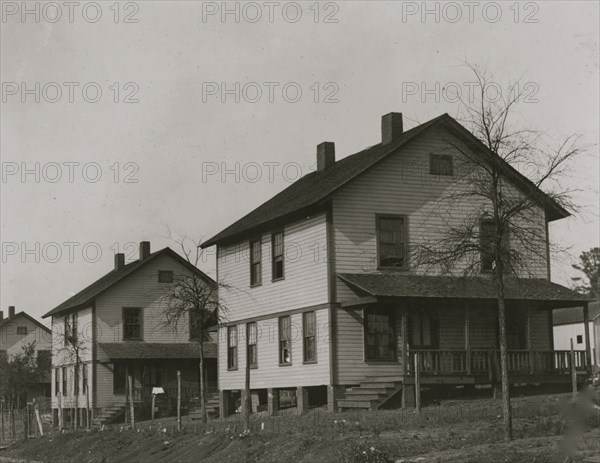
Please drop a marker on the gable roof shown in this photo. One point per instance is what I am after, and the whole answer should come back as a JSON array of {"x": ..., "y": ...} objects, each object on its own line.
[
  {"x": 395, "y": 285},
  {"x": 315, "y": 188},
  {"x": 8, "y": 320},
  {"x": 575, "y": 314},
  {"x": 87, "y": 295}
]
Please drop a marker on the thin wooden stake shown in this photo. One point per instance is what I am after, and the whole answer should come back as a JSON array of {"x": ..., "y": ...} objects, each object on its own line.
[
  {"x": 60, "y": 411},
  {"x": 573, "y": 371},
  {"x": 39, "y": 420},
  {"x": 178, "y": 400},
  {"x": 417, "y": 384},
  {"x": 131, "y": 406}
]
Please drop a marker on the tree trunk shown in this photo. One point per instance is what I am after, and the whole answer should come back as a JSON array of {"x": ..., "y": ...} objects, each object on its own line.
[
  {"x": 506, "y": 408},
  {"x": 202, "y": 384}
]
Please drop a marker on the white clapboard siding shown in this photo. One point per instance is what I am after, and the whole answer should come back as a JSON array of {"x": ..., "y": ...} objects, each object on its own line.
[
  {"x": 69, "y": 398},
  {"x": 12, "y": 342},
  {"x": 140, "y": 289},
  {"x": 305, "y": 271},
  {"x": 65, "y": 354},
  {"x": 269, "y": 373},
  {"x": 402, "y": 185}
]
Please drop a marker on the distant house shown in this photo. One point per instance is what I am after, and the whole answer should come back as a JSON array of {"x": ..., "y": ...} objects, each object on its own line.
[
  {"x": 119, "y": 324},
  {"x": 332, "y": 306},
  {"x": 568, "y": 324},
  {"x": 19, "y": 330}
]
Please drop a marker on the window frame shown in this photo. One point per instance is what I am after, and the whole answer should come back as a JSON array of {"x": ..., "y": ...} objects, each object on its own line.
[
  {"x": 120, "y": 368},
  {"x": 252, "y": 347},
  {"x": 393, "y": 336},
  {"x": 56, "y": 381},
  {"x": 281, "y": 341},
  {"x": 141, "y": 323},
  {"x": 20, "y": 330},
  {"x": 506, "y": 243},
  {"x": 417, "y": 318},
  {"x": 276, "y": 256},
  {"x": 232, "y": 350},
  {"x": 253, "y": 263},
  {"x": 75, "y": 379},
  {"x": 404, "y": 218},
  {"x": 579, "y": 339},
  {"x": 84, "y": 377},
  {"x": 441, "y": 157},
  {"x": 305, "y": 337},
  {"x": 64, "y": 382},
  {"x": 163, "y": 273}
]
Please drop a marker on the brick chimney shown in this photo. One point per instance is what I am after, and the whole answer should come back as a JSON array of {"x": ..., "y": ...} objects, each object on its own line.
[
  {"x": 144, "y": 249},
  {"x": 119, "y": 260},
  {"x": 1, "y": 315},
  {"x": 391, "y": 127},
  {"x": 325, "y": 155},
  {"x": 11, "y": 311}
]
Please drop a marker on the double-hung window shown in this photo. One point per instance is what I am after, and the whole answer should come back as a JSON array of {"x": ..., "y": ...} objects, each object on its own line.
[
  {"x": 285, "y": 340},
  {"x": 309, "y": 329},
  {"x": 132, "y": 324},
  {"x": 255, "y": 262},
  {"x": 252, "y": 336},
  {"x": 232, "y": 348},
  {"x": 277, "y": 251},
  {"x": 392, "y": 242}
]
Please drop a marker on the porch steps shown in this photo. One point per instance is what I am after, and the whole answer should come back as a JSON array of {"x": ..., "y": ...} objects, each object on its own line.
[
  {"x": 372, "y": 393},
  {"x": 108, "y": 414},
  {"x": 213, "y": 404}
]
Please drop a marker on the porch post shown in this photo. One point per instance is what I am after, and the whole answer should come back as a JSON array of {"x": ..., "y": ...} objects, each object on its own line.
[
  {"x": 529, "y": 344},
  {"x": 586, "y": 332},
  {"x": 404, "y": 353},
  {"x": 468, "y": 335}
]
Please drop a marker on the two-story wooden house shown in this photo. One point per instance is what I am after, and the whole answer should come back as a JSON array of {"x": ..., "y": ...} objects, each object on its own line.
[
  {"x": 18, "y": 331},
  {"x": 332, "y": 308},
  {"x": 117, "y": 327}
]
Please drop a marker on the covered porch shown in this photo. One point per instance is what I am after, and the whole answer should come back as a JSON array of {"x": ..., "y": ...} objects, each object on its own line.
[{"x": 448, "y": 327}]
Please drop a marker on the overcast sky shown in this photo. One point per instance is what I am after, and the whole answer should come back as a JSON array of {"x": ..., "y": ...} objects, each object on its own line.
[{"x": 159, "y": 135}]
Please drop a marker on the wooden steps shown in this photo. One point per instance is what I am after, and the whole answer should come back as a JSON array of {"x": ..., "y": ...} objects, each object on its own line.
[
  {"x": 372, "y": 393},
  {"x": 108, "y": 414}
]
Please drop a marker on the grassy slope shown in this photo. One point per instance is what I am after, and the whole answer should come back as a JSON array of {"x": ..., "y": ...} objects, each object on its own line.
[{"x": 455, "y": 432}]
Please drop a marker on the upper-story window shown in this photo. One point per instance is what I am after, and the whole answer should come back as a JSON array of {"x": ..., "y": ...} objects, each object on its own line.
[
  {"x": 392, "y": 242},
  {"x": 440, "y": 164},
  {"x": 255, "y": 262},
  {"x": 232, "y": 348},
  {"x": 21, "y": 330},
  {"x": 56, "y": 381},
  {"x": 277, "y": 250},
  {"x": 285, "y": 340},
  {"x": 70, "y": 329},
  {"x": 165, "y": 276},
  {"x": 132, "y": 324},
  {"x": 487, "y": 234},
  {"x": 63, "y": 374}
]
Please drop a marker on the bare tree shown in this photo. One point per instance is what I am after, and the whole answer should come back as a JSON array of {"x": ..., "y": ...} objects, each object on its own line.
[
  {"x": 73, "y": 347},
  {"x": 193, "y": 298},
  {"x": 483, "y": 208}
]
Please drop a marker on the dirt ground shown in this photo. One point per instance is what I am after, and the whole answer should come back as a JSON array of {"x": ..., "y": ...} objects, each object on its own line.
[{"x": 456, "y": 431}]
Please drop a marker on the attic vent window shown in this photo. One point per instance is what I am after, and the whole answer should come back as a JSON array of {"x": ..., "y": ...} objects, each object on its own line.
[
  {"x": 440, "y": 164},
  {"x": 165, "y": 276},
  {"x": 21, "y": 330}
]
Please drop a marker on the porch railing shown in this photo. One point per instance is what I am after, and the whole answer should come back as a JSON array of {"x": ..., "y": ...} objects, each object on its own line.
[{"x": 478, "y": 362}]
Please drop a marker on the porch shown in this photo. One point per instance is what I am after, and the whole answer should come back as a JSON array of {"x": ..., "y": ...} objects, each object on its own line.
[{"x": 448, "y": 327}]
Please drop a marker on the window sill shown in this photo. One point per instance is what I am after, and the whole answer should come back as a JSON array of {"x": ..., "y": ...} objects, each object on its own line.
[
  {"x": 254, "y": 367},
  {"x": 274, "y": 280},
  {"x": 256, "y": 285},
  {"x": 310, "y": 362},
  {"x": 285, "y": 364},
  {"x": 232, "y": 369}
]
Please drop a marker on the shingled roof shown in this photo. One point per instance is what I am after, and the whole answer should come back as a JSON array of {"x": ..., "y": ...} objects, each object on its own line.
[
  {"x": 575, "y": 314},
  {"x": 86, "y": 296},
  {"x": 9, "y": 320},
  {"x": 315, "y": 188},
  {"x": 395, "y": 285}
]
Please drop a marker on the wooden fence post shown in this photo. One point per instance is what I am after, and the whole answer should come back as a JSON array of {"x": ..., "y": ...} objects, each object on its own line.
[
  {"x": 87, "y": 407},
  {"x": 60, "y": 412},
  {"x": 178, "y": 400},
  {"x": 39, "y": 419},
  {"x": 573, "y": 371},
  {"x": 131, "y": 406},
  {"x": 417, "y": 384},
  {"x": 26, "y": 420},
  {"x": 2, "y": 418}
]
